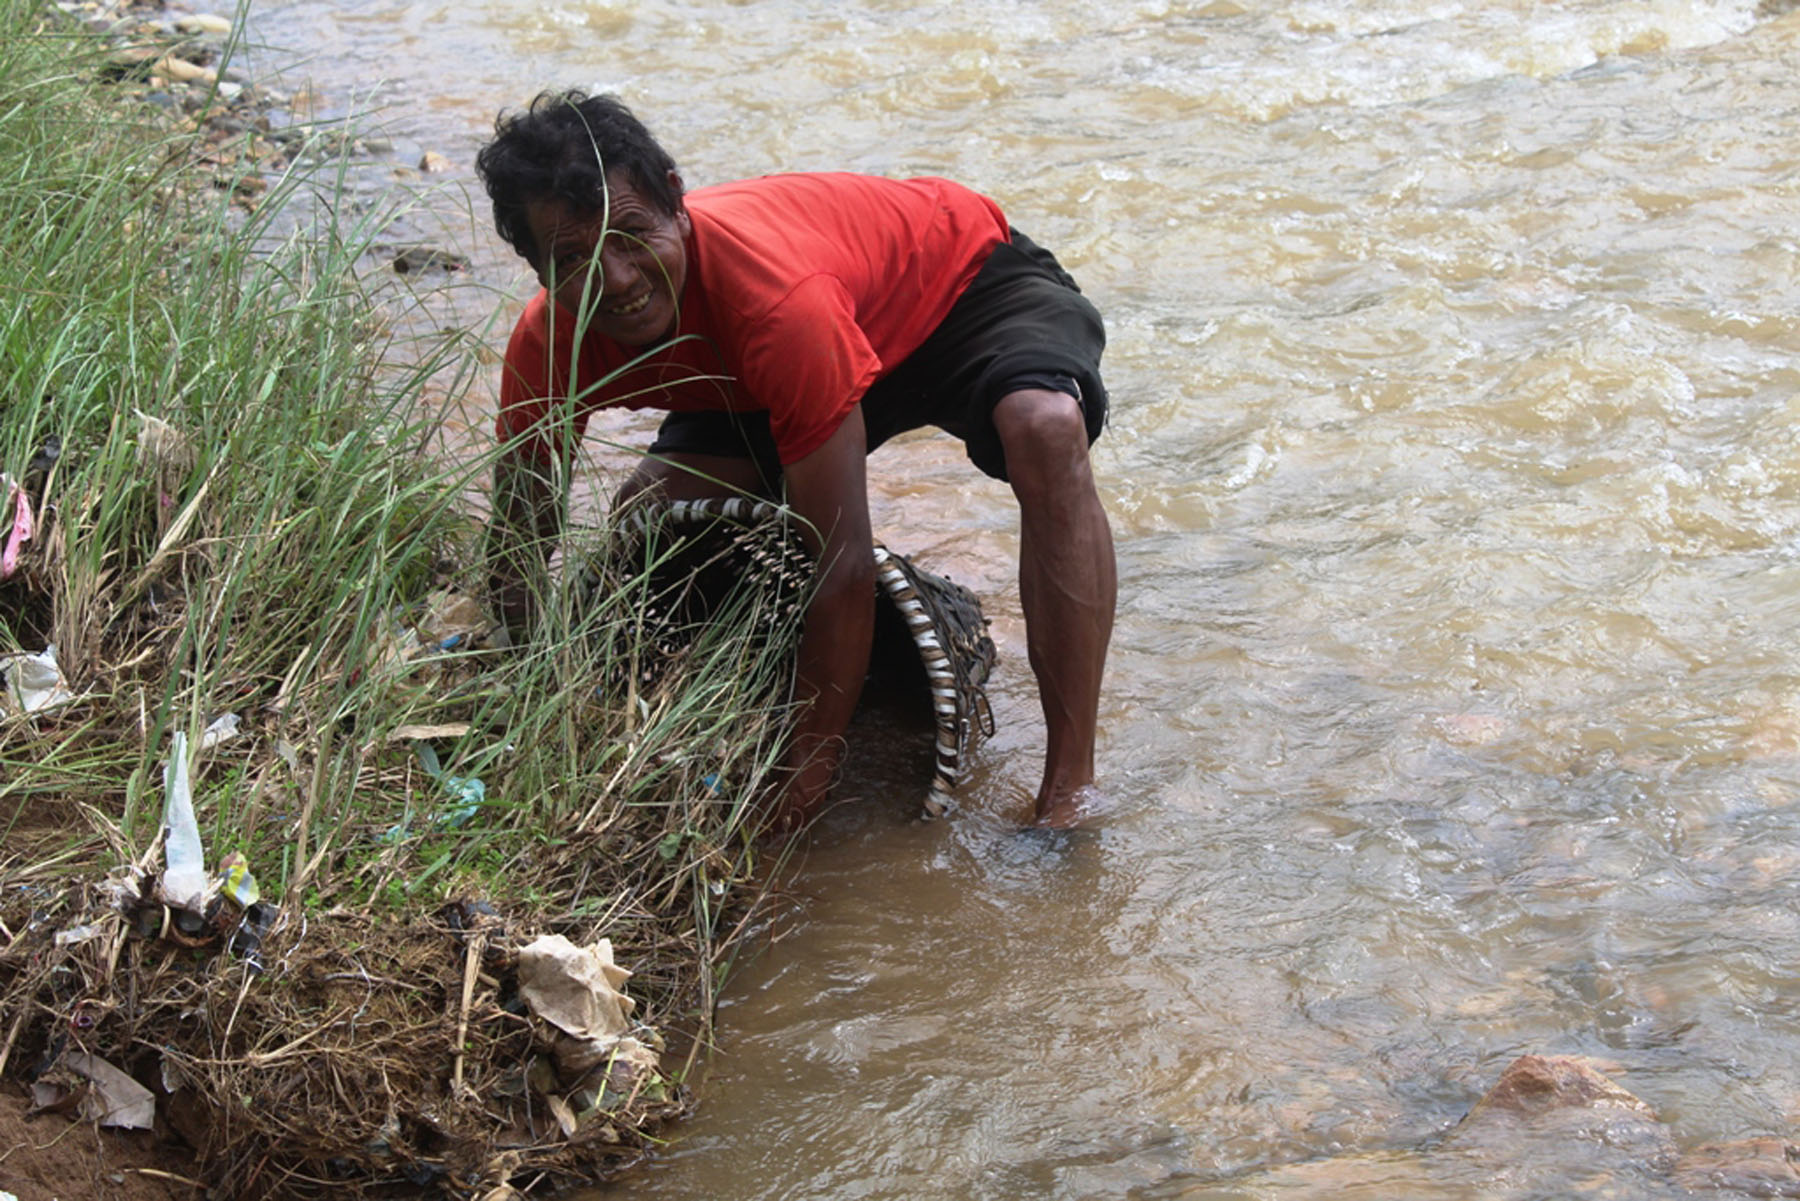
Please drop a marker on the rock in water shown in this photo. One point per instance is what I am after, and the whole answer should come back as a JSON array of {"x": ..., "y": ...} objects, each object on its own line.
[
  {"x": 428, "y": 258},
  {"x": 1756, "y": 1167},
  {"x": 1541, "y": 1084},
  {"x": 1555, "y": 1100}
]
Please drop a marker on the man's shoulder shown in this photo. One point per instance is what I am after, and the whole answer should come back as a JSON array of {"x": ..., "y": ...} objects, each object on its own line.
[
  {"x": 805, "y": 189},
  {"x": 530, "y": 331},
  {"x": 534, "y": 332},
  {"x": 839, "y": 223},
  {"x": 532, "y": 315}
]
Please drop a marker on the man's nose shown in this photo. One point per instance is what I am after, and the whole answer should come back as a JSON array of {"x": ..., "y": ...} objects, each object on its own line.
[{"x": 619, "y": 270}]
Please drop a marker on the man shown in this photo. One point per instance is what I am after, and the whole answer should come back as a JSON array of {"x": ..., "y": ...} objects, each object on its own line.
[{"x": 790, "y": 325}]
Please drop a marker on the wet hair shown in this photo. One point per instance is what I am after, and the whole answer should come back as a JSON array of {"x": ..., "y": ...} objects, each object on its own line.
[{"x": 561, "y": 147}]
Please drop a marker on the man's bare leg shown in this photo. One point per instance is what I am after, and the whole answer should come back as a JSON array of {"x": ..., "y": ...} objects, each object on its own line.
[{"x": 1068, "y": 585}]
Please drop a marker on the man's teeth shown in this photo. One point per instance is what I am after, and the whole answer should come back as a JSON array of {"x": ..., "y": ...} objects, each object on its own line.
[{"x": 630, "y": 306}]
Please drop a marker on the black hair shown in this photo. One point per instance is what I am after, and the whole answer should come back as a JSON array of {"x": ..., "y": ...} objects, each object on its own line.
[{"x": 562, "y": 146}]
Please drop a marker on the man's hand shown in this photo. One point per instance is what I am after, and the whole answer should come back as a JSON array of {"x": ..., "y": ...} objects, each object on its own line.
[
  {"x": 828, "y": 488},
  {"x": 527, "y": 521}
]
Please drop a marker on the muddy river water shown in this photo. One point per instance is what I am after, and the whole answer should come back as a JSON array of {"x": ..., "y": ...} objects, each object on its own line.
[{"x": 1454, "y": 705}]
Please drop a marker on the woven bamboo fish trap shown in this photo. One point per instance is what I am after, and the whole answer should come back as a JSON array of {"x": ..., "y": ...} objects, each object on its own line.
[{"x": 699, "y": 550}]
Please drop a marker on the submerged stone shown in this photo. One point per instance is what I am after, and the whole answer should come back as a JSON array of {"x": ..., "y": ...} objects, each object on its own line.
[
  {"x": 1757, "y": 1167},
  {"x": 1562, "y": 1098},
  {"x": 1541, "y": 1084},
  {"x": 1555, "y": 1122}
]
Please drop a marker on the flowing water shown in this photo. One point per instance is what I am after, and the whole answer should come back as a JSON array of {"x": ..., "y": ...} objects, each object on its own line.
[{"x": 1454, "y": 705}]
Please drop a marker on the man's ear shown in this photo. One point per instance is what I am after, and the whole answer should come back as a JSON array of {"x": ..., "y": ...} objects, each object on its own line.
[
  {"x": 535, "y": 259},
  {"x": 679, "y": 191}
]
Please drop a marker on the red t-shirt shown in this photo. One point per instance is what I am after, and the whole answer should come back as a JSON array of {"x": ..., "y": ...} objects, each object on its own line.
[{"x": 802, "y": 290}]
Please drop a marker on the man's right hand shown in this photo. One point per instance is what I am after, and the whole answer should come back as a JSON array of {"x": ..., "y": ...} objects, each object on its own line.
[
  {"x": 803, "y": 789},
  {"x": 526, "y": 524},
  {"x": 511, "y": 600}
]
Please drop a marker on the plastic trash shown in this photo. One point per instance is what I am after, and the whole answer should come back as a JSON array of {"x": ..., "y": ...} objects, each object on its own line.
[
  {"x": 115, "y": 1098},
  {"x": 24, "y": 527},
  {"x": 35, "y": 682},
  {"x": 392, "y": 648},
  {"x": 246, "y": 941},
  {"x": 236, "y": 884},
  {"x": 466, "y": 794},
  {"x": 184, "y": 876},
  {"x": 74, "y": 936},
  {"x": 452, "y": 620},
  {"x": 220, "y": 729}
]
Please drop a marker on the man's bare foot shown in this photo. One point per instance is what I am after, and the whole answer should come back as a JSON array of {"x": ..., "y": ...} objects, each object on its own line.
[{"x": 1068, "y": 810}]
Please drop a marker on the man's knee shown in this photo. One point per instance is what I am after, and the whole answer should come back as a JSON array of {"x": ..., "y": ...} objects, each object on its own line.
[{"x": 1045, "y": 437}]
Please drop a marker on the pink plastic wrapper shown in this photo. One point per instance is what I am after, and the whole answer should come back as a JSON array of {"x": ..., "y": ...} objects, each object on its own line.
[{"x": 22, "y": 530}]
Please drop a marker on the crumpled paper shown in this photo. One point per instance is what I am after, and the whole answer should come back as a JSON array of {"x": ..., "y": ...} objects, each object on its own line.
[{"x": 576, "y": 989}]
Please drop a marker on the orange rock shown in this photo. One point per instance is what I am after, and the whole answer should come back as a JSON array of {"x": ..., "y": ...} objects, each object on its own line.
[
  {"x": 1563, "y": 1101},
  {"x": 1534, "y": 1084}
]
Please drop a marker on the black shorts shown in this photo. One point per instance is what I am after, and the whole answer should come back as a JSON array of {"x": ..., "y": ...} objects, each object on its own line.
[{"x": 1022, "y": 323}]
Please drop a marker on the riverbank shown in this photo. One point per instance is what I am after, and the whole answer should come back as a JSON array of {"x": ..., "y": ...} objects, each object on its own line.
[{"x": 304, "y": 873}]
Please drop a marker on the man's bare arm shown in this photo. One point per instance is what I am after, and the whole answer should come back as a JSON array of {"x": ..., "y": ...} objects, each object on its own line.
[
  {"x": 527, "y": 521},
  {"x": 829, "y": 489}
]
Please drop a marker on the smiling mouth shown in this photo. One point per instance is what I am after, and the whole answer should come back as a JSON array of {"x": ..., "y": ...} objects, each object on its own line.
[{"x": 630, "y": 306}]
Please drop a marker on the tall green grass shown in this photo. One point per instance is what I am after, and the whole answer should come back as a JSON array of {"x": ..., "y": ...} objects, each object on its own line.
[{"x": 245, "y": 518}]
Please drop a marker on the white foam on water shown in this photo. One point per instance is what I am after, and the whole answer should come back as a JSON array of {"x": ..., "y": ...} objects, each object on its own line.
[{"x": 1314, "y": 54}]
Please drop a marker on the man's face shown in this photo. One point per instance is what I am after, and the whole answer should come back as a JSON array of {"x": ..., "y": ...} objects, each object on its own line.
[{"x": 624, "y": 267}]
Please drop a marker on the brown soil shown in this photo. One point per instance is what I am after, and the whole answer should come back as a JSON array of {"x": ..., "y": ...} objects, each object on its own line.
[{"x": 49, "y": 1158}]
